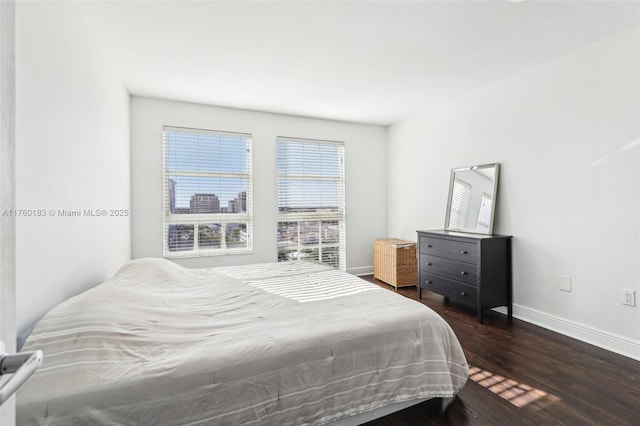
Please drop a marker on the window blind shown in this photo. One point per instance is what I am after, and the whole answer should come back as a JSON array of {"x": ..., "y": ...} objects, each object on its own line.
[
  {"x": 311, "y": 201},
  {"x": 207, "y": 192},
  {"x": 460, "y": 200},
  {"x": 484, "y": 217}
]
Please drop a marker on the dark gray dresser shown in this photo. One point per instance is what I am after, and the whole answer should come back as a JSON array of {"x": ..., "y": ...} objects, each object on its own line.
[{"x": 471, "y": 269}]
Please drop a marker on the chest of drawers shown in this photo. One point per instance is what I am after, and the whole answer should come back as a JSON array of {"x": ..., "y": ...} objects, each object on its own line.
[{"x": 471, "y": 269}]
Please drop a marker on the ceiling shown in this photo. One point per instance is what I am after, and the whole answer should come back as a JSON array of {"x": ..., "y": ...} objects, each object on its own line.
[{"x": 361, "y": 61}]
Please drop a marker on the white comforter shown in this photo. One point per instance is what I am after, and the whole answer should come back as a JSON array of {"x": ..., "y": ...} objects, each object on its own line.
[{"x": 272, "y": 344}]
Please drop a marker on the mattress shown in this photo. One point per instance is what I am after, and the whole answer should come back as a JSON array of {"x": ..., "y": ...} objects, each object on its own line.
[{"x": 290, "y": 343}]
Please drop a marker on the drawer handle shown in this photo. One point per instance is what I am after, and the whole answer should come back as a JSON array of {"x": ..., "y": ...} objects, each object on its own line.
[
  {"x": 463, "y": 293},
  {"x": 463, "y": 273},
  {"x": 429, "y": 263},
  {"x": 429, "y": 282},
  {"x": 463, "y": 252},
  {"x": 429, "y": 246}
]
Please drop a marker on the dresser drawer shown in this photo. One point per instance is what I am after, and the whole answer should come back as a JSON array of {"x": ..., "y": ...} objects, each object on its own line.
[
  {"x": 455, "y": 291},
  {"x": 458, "y": 271},
  {"x": 451, "y": 249}
]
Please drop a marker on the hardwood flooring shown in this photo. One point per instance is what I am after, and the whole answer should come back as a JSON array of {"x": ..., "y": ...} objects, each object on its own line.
[{"x": 527, "y": 375}]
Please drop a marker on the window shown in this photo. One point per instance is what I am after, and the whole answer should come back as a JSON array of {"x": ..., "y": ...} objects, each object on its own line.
[
  {"x": 459, "y": 203},
  {"x": 207, "y": 192},
  {"x": 484, "y": 217},
  {"x": 311, "y": 205}
]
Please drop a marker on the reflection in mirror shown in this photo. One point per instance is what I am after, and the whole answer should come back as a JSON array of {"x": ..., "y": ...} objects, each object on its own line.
[{"x": 471, "y": 204}]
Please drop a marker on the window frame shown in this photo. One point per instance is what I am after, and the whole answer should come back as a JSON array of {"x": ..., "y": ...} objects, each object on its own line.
[{"x": 198, "y": 219}]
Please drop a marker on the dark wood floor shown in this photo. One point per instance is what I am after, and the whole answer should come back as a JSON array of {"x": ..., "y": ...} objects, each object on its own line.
[{"x": 527, "y": 375}]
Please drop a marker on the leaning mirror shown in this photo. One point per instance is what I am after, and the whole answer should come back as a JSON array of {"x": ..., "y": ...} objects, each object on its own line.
[{"x": 472, "y": 199}]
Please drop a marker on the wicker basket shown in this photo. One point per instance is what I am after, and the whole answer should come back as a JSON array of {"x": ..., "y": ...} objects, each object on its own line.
[{"x": 395, "y": 262}]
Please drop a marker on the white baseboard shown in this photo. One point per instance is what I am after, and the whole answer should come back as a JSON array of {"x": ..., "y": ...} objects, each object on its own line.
[
  {"x": 605, "y": 340},
  {"x": 362, "y": 270}
]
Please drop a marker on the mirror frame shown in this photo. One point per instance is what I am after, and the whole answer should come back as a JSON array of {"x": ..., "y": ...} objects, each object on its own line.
[{"x": 452, "y": 179}]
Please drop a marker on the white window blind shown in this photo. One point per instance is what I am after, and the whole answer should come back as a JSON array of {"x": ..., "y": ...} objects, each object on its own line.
[
  {"x": 311, "y": 201},
  {"x": 484, "y": 216},
  {"x": 460, "y": 200},
  {"x": 207, "y": 192}
]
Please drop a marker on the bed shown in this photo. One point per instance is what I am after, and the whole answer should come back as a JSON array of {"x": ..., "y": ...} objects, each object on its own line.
[{"x": 288, "y": 343}]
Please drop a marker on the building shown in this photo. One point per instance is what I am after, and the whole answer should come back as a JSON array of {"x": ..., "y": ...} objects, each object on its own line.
[
  {"x": 238, "y": 204},
  {"x": 204, "y": 203},
  {"x": 242, "y": 202},
  {"x": 172, "y": 196},
  {"x": 233, "y": 206}
]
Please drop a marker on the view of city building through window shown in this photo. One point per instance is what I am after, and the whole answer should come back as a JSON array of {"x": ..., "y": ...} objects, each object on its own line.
[
  {"x": 311, "y": 205},
  {"x": 207, "y": 192}
]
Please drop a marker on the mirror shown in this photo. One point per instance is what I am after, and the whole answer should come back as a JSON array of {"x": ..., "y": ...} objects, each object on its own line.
[{"x": 472, "y": 199}]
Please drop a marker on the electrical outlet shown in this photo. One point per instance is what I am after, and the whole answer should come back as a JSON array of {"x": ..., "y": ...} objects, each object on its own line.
[
  {"x": 565, "y": 283},
  {"x": 628, "y": 297}
]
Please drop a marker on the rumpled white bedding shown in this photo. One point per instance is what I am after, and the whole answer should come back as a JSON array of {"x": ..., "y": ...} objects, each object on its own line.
[{"x": 271, "y": 344}]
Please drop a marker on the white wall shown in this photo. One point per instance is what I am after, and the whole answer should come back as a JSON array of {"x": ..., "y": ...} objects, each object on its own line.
[
  {"x": 567, "y": 137},
  {"x": 72, "y": 133},
  {"x": 365, "y": 151}
]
